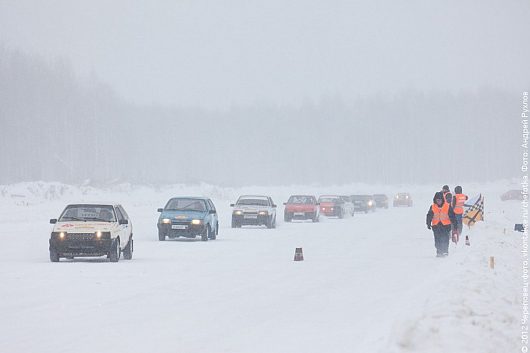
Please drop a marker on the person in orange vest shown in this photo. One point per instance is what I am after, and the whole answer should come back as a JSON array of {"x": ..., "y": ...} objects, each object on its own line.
[
  {"x": 459, "y": 199},
  {"x": 440, "y": 218},
  {"x": 448, "y": 197}
]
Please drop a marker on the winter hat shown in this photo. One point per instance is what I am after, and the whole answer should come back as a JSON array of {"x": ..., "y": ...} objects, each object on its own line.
[
  {"x": 458, "y": 189},
  {"x": 439, "y": 195},
  {"x": 445, "y": 188}
]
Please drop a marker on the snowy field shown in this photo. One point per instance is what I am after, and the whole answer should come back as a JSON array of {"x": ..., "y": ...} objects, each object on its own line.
[{"x": 370, "y": 283}]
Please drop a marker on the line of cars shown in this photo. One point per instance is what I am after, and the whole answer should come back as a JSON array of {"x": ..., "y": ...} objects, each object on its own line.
[{"x": 105, "y": 229}]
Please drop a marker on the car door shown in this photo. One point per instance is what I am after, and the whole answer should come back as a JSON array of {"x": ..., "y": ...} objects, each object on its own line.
[
  {"x": 214, "y": 217},
  {"x": 128, "y": 226},
  {"x": 122, "y": 228}
]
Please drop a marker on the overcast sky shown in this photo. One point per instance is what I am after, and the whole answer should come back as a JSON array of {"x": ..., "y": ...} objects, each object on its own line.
[{"x": 217, "y": 53}]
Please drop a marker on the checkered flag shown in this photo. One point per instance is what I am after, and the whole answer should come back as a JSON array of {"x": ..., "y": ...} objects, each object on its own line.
[{"x": 474, "y": 211}]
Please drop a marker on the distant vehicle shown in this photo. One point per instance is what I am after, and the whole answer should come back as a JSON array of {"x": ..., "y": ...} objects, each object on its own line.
[
  {"x": 363, "y": 203},
  {"x": 349, "y": 208},
  {"x": 254, "y": 210},
  {"x": 402, "y": 199},
  {"x": 381, "y": 200},
  {"x": 188, "y": 217},
  {"x": 332, "y": 206},
  {"x": 92, "y": 230},
  {"x": 301, "y": 207},
  {"x": 512, "y": 195}
]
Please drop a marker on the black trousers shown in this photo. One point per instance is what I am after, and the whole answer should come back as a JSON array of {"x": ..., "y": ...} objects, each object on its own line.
[{"x": 441, "y": 239}]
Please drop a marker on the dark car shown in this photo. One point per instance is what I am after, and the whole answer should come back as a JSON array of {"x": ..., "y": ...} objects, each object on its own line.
[
  {"x": 363, "y": 203},
  {"x": 381, "y": 200},
  {"x": 188, "y": 217},
  {"x": 402, "y": 199},
  {"x": 512, "y": 195},
  {"x": 301, "y": 207},
  {"x": 331, "y": 206}
]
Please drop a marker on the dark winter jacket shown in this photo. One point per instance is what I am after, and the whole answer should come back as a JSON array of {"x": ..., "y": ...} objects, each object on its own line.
[
  {"x": 448, "y": 197},
  {"x": 451, "y": 212}
]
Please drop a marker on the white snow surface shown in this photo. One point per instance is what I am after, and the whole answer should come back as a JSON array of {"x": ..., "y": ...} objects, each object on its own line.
[{"x": 370, "y": 283}]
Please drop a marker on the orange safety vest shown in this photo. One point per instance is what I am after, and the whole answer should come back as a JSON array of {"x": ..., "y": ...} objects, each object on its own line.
[
  {"x": 441, "y": 214},
  {"x": 460, "y": 200}
]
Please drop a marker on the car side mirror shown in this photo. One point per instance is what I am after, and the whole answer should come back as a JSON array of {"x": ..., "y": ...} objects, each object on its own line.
[
  {"x": 318, "y": 203},
  {"x": 274, "y": 206},
  {"x": 285, "y": 203},
  {"x": 232, "y": 205},
  {"x": 212, "y": 212},
  {"x": 53, "y": 221},
  {"x": 123, "y": 221},
  {"x": 160, "y": 210}
]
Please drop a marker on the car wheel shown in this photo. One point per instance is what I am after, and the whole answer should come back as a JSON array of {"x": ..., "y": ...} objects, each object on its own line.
[
  {"x": 341, "y": 214},
  {"x": 213, "y": 235},
  {"x": 315, "y": 218},
  {"x": 274, "y": 222},
  {"x": 128, "y": 251},
  {"x": 216, "y": 229},
  {"x": 206, "y": 234},
  {"x": 235, "y": 224},
  {"x": 115, "y": 251},
  {"x": 287, "y": 217},
  {"x": 161, "y": 236},
  {"x": 54, "y": 256}
]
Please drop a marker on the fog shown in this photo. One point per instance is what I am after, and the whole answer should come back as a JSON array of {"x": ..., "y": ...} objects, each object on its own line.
[{"x": 243, "y": 92}]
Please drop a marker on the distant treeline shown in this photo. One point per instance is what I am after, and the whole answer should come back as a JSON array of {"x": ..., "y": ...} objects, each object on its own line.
[{"x": 57, "y": 127}]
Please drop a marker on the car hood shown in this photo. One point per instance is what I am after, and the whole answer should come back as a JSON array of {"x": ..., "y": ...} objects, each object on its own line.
[
  {"x": 183, "y": 215},
  {"x": 84, "y": 227},
  {"x": 250, "y": 208},
  {"x": 299, "y": 207}
]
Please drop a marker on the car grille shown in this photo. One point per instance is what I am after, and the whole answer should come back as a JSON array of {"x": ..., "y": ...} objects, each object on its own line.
[{"x": 81, "y": 236}]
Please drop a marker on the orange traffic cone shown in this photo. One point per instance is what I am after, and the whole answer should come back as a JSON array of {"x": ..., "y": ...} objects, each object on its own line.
[
  {"x": 298, "y": 255},
  {"x": 467, "y": 240}
]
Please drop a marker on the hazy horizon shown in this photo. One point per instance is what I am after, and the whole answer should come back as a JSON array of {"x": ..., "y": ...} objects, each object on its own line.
[{"x": 237, "y": 53}]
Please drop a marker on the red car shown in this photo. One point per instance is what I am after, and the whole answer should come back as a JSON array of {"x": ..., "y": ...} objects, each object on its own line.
[
  {"x": 332, "y": 206},
  {"x": 301, "y": 207}
]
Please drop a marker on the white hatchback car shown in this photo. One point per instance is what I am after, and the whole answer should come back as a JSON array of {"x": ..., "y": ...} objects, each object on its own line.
[{"x": 92, "y": 230}]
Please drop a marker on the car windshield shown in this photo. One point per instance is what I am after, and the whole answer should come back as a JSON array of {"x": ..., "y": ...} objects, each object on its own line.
[
  {"x": 186, "y": 205},
  {"x": 253, "y": 202},
  {"x": 359, "y": 197},
  {"x": 380, "y": 197},
  {"x": 84, "y": 213},
  {"x": 308, "y": 200},
  {"x": 328, "y": 199}
]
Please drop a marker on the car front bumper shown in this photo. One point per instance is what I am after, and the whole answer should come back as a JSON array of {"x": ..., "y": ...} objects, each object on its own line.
[
  {"x": 76, "y": 247},
  {"x": 248, "y": 220},
  {"x": 191, "y": 230}
]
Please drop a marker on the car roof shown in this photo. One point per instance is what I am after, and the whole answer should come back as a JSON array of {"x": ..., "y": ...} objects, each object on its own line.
[
  {"x": 112, "y": 204},
  {"x": 190, "y": 198},
  {"x": 259, "y": 197}
]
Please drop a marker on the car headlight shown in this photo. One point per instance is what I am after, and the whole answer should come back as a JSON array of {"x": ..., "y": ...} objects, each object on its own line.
[
  {"x": 99, "y": 234},
  {"x": 238, "y": 213},
  {"x": 196, "y": 222},
  {"x": 263, "y": 213},
  {"x": 370, "y": 203},
  {"x": 166, "y": 221},
  {"x": 62, "y": 235},
  {"x": 407, "y": 196}
]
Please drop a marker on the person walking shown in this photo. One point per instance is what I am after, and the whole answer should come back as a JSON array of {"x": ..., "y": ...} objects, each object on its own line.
[
  {"x": 448, "y": 197},
  {"x": 440, "y": 218},
  {"x": 459, "y": 199}
]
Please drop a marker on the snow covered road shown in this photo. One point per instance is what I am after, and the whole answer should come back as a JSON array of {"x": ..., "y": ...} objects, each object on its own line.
[{"x": 369, "y": 283}]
